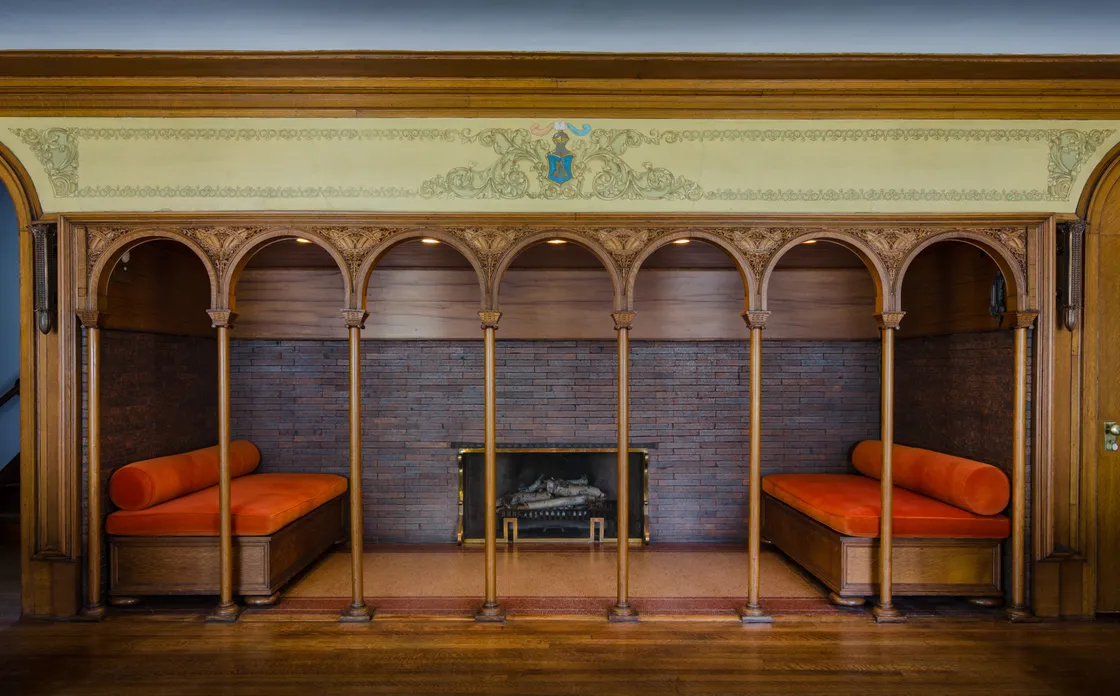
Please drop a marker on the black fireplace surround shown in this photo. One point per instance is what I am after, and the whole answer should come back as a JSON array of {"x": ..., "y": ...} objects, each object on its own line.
[{"x": 520, "y": 466}]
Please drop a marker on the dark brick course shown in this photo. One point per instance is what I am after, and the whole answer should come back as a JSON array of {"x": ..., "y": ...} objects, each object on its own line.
[{"x": 688, "y": 404}]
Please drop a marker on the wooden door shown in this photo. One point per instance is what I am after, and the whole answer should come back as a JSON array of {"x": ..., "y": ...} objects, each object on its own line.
[{"x": 1103, "y": 242}]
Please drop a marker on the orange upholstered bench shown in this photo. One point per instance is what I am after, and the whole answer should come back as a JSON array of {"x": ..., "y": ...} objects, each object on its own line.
[
  {"x": 163, "y": 539},
  {"x": 947, "y": 523}
]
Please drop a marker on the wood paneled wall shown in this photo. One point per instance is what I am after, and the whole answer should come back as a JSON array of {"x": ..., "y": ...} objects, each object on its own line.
[
  {"x": 162, "y": 289},
  {"x": 672, "y": 304},
  {"x": 947, "y": 290}
]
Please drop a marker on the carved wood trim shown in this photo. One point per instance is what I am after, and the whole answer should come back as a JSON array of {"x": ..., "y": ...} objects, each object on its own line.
[
  {"x": 222, "y": 318},
  {"x": 357, "y": 245},
  {"x": 889, "y": 320},
  {"x": 490, "y": 318},
  {"x": 623, "y": 320},
  {"x": 756, "y": 319},
  {"x": 355, "y": 318}
]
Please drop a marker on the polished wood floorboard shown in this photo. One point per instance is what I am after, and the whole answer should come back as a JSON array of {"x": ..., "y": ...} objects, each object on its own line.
[{"x": 125, "y": 656}]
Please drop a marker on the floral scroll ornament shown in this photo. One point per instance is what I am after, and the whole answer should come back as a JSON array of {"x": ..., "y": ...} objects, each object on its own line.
[
  {"x": 589, "y": 167},
  {"x": 57, "y": 150}
]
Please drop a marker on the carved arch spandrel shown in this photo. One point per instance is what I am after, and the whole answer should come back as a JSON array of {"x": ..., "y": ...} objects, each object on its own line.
[
  {"x": 850, "y": 238},
  {"x": 1006, "y": 246},
  {"x": 614, "y": 247},
  {"x": 235, "y": 246},
  {"x": 722, "y": 238},
  {"x": 377, "y": 241},
  {"x": 105, "y": 245}
]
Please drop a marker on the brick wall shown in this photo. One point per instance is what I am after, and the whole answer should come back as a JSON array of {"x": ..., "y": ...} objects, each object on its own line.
[
  {"x": 688, "y": 404},
  {"x": 159, "y": 395}
]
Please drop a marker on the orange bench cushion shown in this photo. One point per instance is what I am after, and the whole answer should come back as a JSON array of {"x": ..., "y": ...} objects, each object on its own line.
[
  {"x": 964, "y": 483},
  {"x": 850, "y": 504},
  {"x": 143, "y": 484},
  {"x": 261, "y": 505}
]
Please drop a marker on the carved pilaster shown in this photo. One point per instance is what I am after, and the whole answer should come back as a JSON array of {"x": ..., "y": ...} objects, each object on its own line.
[
  {"x": 355, "y": 318},
  {"x": 45, "y": 239},
  {"x": 756, "y": 319},
  {"x": 889, "y": 320},
  {"x": 90, "y": 318},
  {"x": 623, "y": 320},
  {"x": 490, "y": 318},
  {"x": 1020, "y": 320},
  {"x": 222, "y": 317}
]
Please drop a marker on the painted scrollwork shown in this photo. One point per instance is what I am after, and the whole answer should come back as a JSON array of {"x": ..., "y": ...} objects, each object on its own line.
[
  {"x": 57, "y": 150},
  {"x": 1069, "y": 150},
  {"x": 598, "y": 157}
]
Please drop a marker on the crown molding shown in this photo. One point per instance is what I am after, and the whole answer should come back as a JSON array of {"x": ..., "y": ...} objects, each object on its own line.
[{"x": 539, "y": 85}]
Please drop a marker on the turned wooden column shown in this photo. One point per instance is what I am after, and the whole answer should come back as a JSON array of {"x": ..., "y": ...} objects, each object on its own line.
[
  {"x": 885, "y": 611},
  {"x": 357, "y": 612},
  {"x": 622, "y": 611},
  {"x": 491, "y": 610},
  {"x": 752, "y": 611},
  {"x": 94, "y": 608},
  {"x": 227, "y": 610},
  {"x": 1018, "y": 610}
]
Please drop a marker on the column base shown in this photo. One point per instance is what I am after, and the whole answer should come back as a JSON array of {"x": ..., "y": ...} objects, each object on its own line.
[
  {"x": 92, "y": 612},
  {"x": 622, "y": 612},
  {"x": 753, "y": 615},
  {"x": 263, "y": 600},
  {"x": 846, "y": 602},
  {"x": 887, "y": 614},
  {"x": 1020, "y": 614},
  {"x": 357, "y": 612},
  {"x": 225, "y": 613},
  {"x": 490, "y": 612}
]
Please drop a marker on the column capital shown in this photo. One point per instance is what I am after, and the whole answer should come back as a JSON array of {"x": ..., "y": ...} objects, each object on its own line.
[
  {"x": 490, "y": 318},
  {"x": 90, "y": 318},
  {"x": 623, "y": 320},
  {"x": 1021, "y": 320},
  {"x": 222, "y": 318},
  {"x": 889, "y": 320},
  {"x": 355, "y": 318},
  {"x": 756, "y": 319}
]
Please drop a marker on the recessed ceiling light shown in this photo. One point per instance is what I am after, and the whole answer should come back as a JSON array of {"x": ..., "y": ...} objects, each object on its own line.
[
  {"x": 301, "y": 240},
  {"x": 557, "y": 241},
  {"x": 429, "y": 240},
  {"x": 811, "y": 241},
  {"x": 681, "y": 241}
]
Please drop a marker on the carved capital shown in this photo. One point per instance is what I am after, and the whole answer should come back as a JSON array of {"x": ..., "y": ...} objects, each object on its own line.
[
  {"x": 222, "y": 317},
  {"x": 756, "y": 319},
  {"x": 623, "y": 320},
  {"x": 1020, "y": 320},
  {"x": 355, "y": 318},
  {"x": 889, "y": 320},
  {"x": 90, "y": 318},
  {"x": 490, "y": 318}
]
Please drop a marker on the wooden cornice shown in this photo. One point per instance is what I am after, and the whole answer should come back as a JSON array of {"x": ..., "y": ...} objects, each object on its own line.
[{"x": 180, "y": 84}]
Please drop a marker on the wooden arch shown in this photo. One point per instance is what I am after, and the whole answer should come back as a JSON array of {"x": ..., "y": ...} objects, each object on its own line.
[
  {"x": 394, "y": 238},
  {"x": 14, "y": 177},
  {"x": 750, "y": 283},
  {"x": 583, "y": 240},
  {"x": 884, "y": 298},
  {"x": 1008, "y": 265},
  {"x": 102, "y": 270},
  {"x": 228, "y": 281}
]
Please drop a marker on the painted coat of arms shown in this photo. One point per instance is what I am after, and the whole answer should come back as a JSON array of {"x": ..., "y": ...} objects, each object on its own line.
[{"x": 569, "y": 161}]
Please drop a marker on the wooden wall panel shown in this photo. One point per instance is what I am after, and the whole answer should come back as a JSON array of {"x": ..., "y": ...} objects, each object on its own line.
[
  {"x": 162, "y": 289},
  {"x": 277, "y": 303},
  {"x": 947, "y": 290}
]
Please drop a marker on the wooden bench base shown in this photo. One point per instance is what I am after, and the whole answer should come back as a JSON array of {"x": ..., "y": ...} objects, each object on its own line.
[
  {"x": 190, "y": 565},
  {"x": 849, "y": 565}
]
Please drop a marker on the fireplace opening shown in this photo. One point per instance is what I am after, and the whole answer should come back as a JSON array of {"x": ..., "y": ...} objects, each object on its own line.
[{"x": 553, "y": 494}]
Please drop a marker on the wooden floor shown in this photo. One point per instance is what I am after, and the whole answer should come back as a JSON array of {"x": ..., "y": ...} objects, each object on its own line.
[{"x": 127, "y": 656}]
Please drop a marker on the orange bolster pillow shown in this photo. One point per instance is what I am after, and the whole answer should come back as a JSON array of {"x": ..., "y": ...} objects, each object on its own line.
[
  {"x": 141, "y": 485},
  {"x": 973, "y": 486}
]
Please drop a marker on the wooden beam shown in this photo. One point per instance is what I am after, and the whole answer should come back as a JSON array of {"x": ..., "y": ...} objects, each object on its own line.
[{"x": 396, "y": 84}]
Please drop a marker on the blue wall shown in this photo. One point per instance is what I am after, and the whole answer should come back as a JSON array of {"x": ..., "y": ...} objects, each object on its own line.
[{"x": 9, "y": 325}]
